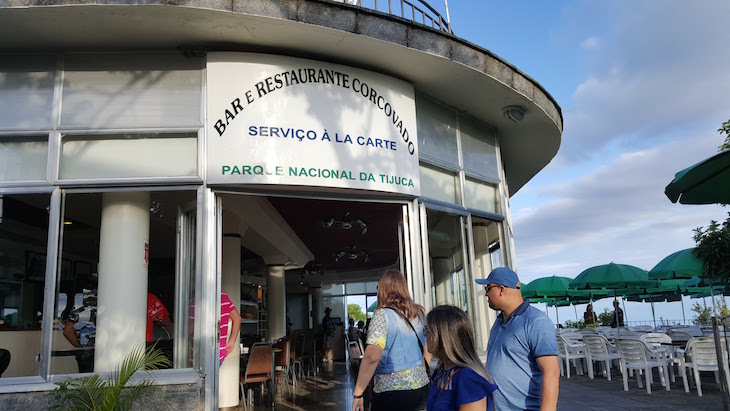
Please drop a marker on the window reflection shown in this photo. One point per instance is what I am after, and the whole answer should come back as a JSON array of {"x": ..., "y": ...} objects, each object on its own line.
[
  {"x": 23, "y": 241},
  {"x": 445, "y": 247},
  {"x": 125, "y": 255}
]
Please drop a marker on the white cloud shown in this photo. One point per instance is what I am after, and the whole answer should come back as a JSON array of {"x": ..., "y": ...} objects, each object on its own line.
[
  {"x": 590, "y": 43},
  {"x": 650, "y": 81},
  {"x": 616, "y": 213}
]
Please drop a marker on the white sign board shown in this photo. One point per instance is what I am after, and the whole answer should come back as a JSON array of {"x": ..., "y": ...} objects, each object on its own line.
[{"x": 285, "y": 120}]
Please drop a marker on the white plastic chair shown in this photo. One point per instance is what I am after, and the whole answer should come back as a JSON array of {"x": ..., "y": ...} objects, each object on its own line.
[
  {"x": 642, "y": 328},
  {"x": 599, "y": 349},
  {"x": 634, "y": 356},
  {"x": 571, "y": 351},
  {"x": 655, "y": 339},
  {"x": 700, "y": 355},
  {"x": 663, "y": 351},
  {"x": 679, "y": 335}
]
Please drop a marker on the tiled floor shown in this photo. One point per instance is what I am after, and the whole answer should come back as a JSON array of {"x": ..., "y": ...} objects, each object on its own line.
[{"x": 332, "y": 388}]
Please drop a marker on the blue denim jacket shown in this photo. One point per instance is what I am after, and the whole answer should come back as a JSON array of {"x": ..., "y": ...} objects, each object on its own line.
[{"x": 401, "y": 347}]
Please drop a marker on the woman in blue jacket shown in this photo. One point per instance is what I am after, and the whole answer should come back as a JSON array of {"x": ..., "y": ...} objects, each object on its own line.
[{"x": 395, "y": 353}]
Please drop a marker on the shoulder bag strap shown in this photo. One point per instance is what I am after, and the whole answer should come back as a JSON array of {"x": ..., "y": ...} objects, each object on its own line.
[{"x": 420, "y": 344}]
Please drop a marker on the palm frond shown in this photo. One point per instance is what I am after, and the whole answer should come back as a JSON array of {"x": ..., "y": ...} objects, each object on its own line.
[
  {"x": 84, "y": 393},
  {"x": 92, "y": 393}
]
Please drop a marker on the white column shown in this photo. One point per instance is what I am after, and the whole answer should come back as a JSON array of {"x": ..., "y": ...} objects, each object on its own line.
[
  {"x": 317, "y": 308},
  {"x": 123, "y": 260},
  {"x": 276, "y": 305},
  {"x": 228, "y": 374}
]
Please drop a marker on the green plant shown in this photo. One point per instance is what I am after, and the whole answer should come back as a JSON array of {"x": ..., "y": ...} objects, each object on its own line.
[
  {"x": 725, "y": 129},
  {"x": 605, "y": 318},
  {"x": 713, "y": 249},
  {"x": 93, "y": 393},
  {"x": 355, "y": 312},
  {"x": 704, "y": 314},
  {"x": 575, "y": 324}
]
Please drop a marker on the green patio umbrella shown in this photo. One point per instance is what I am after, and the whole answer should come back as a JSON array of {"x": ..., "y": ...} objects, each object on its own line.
[
  {"x": 552, "y": 286},
  {"x": 680, "y": 264},
  {"x": 706, "y": 182},
  {"x": 612, "y": 276},
  {"x": 549, "y": 290}
]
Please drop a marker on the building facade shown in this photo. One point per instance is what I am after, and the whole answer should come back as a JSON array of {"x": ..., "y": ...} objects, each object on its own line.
[{"x": 283, "y": 152}]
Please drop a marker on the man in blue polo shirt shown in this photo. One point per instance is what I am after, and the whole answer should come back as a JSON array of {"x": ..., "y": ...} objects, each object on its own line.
[{"x": 522, "y": 355}]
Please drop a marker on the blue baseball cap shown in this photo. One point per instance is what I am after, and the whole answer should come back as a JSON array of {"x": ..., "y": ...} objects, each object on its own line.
[{"x": 502, "y": 276}]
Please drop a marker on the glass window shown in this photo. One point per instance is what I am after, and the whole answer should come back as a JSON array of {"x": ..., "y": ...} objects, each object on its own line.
[
  {"x": 355, "y": 288},
  {"x": 23, "y": 158},
  {"x": 439, "y": 184},
  {"x": 126, "y": 282},
  {"x": 333, "y": 289},
  {"x": 481, "y": 196},
  {"x": 131, "y": 90},
  {"x": 487, "y": 252},
  {"x": 487, "y": 256},
  {"x": 23, "y": 246},
  {"x": 129, "y": 155},
  {"x": 26, "y": 91},
  {"x": 446, "y": 256},
  {"x": 479, "y": 149},
  {"x": 372, "y": 302},
  {"x": 371, "y": 287},
  {"x": 436, "y": 133},
  {"x": 337, "y": 304}
]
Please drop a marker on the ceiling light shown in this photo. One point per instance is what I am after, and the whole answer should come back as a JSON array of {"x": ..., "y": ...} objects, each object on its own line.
[{"x": 514, "y": 113}]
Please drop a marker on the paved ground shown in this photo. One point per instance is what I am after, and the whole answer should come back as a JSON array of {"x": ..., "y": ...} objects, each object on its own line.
[
  {"x": 579, "y": 393},
  {"x": 332, "y": 388}
]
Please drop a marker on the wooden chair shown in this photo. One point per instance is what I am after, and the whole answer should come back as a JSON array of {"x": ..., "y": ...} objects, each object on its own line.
[
  {"x": 355, "y": 355},
  {"x": 282, "y": 361},
  {"x": 308, "y": 353},
  {"x": 258, "y": 371},
  {"x": 297, "y": 360}
]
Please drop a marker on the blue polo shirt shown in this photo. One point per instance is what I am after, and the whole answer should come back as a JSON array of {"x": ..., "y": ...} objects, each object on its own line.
[{"x": 514, "y": 346}]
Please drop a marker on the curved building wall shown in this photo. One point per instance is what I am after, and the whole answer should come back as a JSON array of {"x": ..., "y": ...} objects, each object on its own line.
[{"x": 89, "y": 122}]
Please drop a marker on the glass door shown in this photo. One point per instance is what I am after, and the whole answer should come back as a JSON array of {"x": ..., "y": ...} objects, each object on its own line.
[
  {"x": 185, "y": 285},
  {"x": 487, "y": 255},
  {"x": 445, "y": 264}
]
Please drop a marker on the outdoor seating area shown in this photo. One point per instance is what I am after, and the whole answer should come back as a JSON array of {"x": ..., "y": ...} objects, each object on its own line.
[{"x": 644, "y": 355}]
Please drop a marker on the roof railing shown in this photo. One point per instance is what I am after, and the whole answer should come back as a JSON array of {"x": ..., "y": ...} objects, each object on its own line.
[{"x": 417, "y": 11}]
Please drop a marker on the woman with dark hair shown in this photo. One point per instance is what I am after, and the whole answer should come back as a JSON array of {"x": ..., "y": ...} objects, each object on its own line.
[
  {"x": 460, "y": 381},
  {"x": 395, "y": 353}
]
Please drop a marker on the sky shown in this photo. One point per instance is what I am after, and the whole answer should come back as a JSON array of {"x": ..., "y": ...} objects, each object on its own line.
[{"x": 643, "y": 86}]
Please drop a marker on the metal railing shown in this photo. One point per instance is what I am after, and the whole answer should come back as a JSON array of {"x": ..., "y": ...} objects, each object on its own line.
[{"x": 416, "y": 11}]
